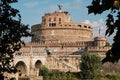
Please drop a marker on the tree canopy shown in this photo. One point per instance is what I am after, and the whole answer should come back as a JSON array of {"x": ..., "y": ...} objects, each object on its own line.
[
  {"x": 112, "y": 23},
  {"x": 11, "y": 32},
  {"x": 90, "y": 66}
]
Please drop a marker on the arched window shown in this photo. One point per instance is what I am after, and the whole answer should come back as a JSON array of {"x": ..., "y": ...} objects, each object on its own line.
[
  {"x": 21, "y": 67},
  {"x": 38, "y": 64}
]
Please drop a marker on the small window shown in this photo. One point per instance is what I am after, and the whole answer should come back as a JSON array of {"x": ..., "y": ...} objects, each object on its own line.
[
  {"x": 49, "y": 19},
  {"x": 85, "y": 26},
  {"x": 52, "y": 24},
  {"x": 79, "y": 25},
  {"x": 89, "y": 27},
  {"x": 59, "y": 19},
  {"x": 54, "y": 19}
]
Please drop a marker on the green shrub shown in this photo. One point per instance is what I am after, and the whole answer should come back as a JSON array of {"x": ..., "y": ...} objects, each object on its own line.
[
  {"x": 113, "y": 76},
  {"x": 90, "y": 66},
  {"x": 45, "y": 73},
  {"x": 56, "y": 75}
]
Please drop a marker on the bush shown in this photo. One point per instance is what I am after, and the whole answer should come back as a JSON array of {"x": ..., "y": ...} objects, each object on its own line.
[
  {"x": 113, "y": 76},
  {"x": 56, "y": 75},
  {"x": 44, "y": 72},
  {"x": 90, "y": 66}
]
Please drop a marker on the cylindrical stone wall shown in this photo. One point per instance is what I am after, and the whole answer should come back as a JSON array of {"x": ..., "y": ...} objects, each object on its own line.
[{"x": 58, "y": 26}]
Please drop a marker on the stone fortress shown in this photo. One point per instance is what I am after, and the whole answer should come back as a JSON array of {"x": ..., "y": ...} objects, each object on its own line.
[{"x": 63, "y": 39}]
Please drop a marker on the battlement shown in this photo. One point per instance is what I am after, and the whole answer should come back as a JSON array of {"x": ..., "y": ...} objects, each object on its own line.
[
  {"x": 98, "y": 48},
  {"x": 59, "y": 44}
]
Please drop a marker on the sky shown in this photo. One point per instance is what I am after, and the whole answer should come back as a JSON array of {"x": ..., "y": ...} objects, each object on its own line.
[{"x": 33, "y": 10}]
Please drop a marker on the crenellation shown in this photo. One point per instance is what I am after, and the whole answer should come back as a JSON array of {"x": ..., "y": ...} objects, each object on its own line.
[{"x": 98, "y": 48}]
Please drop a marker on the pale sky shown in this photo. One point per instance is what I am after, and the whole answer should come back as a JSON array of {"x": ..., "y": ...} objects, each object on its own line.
[{"x": 33, "y": 10}]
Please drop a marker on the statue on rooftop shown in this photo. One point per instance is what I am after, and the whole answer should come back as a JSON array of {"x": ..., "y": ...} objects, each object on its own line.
[{"x": 60, "y": 7}]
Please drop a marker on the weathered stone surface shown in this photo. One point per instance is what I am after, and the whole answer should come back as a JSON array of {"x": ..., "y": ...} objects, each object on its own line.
[
  {"x": 63, "y": 39},
  {"x": 58, "y": 26}
]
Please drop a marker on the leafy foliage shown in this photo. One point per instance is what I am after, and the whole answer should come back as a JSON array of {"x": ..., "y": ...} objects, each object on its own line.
[
  {"x": 113, "y": 76},
  {"x": 90, "y": 66},
  {"x": 56, "y": 75},
  {"x": 112, "y": 23},
  {"x": 107, "y": 44},
  {"x": 44, "y": 72},
  {"x": 11, "y": 32}
]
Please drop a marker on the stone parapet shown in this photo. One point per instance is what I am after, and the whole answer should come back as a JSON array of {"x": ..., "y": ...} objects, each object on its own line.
[
  {"x": 58, "y": 44},
  {"x": 97, "y": 48}
]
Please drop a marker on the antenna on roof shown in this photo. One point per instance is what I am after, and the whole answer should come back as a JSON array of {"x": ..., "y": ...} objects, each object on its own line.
[
  {"x": 60, "y": 8},
  {"x": 99, "y": 31}
]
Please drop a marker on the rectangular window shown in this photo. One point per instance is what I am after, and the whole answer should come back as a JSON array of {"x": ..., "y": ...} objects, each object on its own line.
[
  {"x": 54, "y": 19},
  {"x": 52, "y": 24},
  {"x": 59, "y": 19}
]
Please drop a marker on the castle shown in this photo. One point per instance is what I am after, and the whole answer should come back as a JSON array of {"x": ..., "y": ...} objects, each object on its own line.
[{"x": 57, "y": 43}]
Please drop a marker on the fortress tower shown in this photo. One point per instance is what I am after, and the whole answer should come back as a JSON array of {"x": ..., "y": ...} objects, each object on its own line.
[
  {"x": 100, "y": 41},
  {"x": 58, "y": 26},
  {"x": 64, "y": 39}
]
